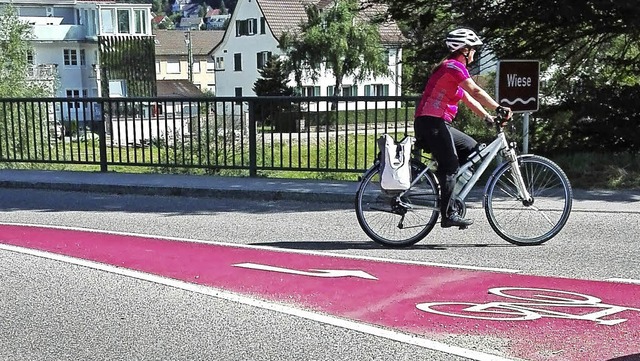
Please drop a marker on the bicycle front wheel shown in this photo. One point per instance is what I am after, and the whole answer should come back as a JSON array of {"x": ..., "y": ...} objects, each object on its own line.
[
  {"x": 395, "y": 221},
  {"x": 528, "y": 223}
]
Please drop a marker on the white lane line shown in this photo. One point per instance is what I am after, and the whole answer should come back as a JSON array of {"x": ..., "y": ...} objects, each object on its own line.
[
  {"x": 271, "y": 306},
  {"x": 624, "y": 280},
  {"x": 275, "y": 249}
]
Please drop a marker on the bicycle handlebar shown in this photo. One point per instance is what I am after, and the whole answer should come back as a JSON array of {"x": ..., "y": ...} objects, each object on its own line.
[
  {"x": 502, "y": 113},
  {"x": 501, "y": 118}
]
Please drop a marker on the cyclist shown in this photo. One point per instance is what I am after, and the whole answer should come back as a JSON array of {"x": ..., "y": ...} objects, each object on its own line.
[{"x": 448, "y": 84}]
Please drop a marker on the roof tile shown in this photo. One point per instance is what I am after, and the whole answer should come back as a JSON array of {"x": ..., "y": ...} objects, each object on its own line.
[{"x": 287, "y": 15}]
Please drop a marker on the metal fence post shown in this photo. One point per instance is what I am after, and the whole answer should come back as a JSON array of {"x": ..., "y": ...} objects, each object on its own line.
[
  {"x": 102, "y": 134},
  {"x": 253, "y": 147}
]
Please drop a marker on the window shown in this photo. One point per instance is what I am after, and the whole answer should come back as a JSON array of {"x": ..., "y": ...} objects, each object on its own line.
[
  {"x": 376, "y": 90},
  {"x": 79, "y": 17},
  {"x": 140, "y": 21},
  {"x": 263, "y": 58},
  {"x": 124, "y": 21},
  {"x": 173, "y": 67},
  {"x": 73, "y": 93},
  {"x": 70, "y": 57},
  {"x": 349, "y": 90},
  {"x": 386, "y": 56},
  {"x": 219, "y": 64},
  {"x": 106, "y": 17},
  {"x": 310, "y": 91},
  {"x": 237, "y": 62},
  {"x": 246, "y": 27},
  {"x": 263, "y": 26},
  {"x": 195, "y": 67},
  {"x": 157, "y": 67},
  {"x": 238, "y": 94},
  {"x": 91, "y": 22},
  {"x": 83, "y": 58}
]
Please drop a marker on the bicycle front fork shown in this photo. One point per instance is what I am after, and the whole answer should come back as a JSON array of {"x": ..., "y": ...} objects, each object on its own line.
[{"x": 523, "y": 192}]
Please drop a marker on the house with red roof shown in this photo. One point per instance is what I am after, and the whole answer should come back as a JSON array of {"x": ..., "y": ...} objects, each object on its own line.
[{"x": 252, "y": 36}]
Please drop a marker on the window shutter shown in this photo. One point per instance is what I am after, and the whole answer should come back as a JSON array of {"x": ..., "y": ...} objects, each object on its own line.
[{"x": 237, "y": 62}]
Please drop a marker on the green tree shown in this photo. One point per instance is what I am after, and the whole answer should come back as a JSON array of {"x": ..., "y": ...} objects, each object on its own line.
[
  {"x": 338, "y": 39},
  {"x": 273, "y": 81},
  {"x": 587, "y": 49},
  {"x": 14, "y": 47},
  {"x": 23, "y": 130}
]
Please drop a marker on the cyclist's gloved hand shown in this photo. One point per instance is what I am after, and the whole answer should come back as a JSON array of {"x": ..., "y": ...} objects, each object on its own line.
[{"x": 504, "y": 112}]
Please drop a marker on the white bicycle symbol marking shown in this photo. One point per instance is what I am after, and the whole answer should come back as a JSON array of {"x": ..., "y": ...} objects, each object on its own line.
[{"x": 539, "y": 303}]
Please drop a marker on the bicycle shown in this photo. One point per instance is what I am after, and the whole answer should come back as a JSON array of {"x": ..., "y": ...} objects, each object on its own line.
[{"x": 527, "y": 199}]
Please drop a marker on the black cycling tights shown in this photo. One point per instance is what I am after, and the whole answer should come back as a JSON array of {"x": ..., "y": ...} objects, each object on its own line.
[{"x": 445, "y": 143}]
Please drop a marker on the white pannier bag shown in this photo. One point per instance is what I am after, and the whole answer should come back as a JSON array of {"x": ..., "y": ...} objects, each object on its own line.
[{"x": 394, "y": 163}]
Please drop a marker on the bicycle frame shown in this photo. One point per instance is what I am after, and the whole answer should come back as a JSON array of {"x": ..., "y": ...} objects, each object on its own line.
[{"x": 482, "y": 160}]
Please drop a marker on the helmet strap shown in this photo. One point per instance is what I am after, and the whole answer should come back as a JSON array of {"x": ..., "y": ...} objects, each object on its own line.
[{"x": 466, "y": 58}]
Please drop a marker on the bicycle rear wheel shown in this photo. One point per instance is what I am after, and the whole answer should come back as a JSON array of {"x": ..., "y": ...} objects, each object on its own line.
[
  {"x": 394, "y": 222},
  {"x": 528, "y": 223}
]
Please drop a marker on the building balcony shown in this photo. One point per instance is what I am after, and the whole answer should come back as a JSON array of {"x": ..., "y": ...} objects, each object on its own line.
[
  {"x": 42, "y": 72},
  {"x": 45, "y": 33}
]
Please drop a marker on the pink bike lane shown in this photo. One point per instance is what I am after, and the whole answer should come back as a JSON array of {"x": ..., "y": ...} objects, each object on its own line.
[{"x": 542, "y": 318}]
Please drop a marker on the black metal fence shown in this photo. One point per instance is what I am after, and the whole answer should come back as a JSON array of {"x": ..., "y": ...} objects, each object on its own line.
[{"x": 254, "y": 134}]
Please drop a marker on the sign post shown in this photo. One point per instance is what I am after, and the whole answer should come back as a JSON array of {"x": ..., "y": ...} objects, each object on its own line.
[{"x": 518, "y": 87}]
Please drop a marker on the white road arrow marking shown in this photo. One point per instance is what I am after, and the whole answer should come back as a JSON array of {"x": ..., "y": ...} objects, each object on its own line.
[{"x": 325, "y": 273}]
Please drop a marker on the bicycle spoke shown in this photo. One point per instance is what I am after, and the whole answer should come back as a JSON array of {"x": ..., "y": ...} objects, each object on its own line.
[
  {"x": 529, "y": 221},
  {"x": 394, "y": 220}
]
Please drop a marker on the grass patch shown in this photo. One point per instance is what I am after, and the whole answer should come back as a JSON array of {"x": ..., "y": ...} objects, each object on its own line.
[{"x": 601, "y": 170}]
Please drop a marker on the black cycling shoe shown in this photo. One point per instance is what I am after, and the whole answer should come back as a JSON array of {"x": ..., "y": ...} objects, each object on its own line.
[{"x": 455, "y": 220}]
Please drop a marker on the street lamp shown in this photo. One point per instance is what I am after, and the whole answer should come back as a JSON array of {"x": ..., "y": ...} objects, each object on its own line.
[{"x": 187, "y": 40}]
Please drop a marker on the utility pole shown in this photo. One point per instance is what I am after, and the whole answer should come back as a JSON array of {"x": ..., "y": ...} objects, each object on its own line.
[{"x": 187, "y": 40}]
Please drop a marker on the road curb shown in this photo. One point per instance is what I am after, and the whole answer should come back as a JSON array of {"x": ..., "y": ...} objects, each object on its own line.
[{"x": 176, "y": 191}]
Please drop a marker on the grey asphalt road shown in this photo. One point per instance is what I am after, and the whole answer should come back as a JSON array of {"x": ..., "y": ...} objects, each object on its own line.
[{"x": 52, "y": 310}]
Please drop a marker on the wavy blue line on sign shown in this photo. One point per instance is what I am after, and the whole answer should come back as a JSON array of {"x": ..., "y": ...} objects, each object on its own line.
[{"x": 512, "y": 102}]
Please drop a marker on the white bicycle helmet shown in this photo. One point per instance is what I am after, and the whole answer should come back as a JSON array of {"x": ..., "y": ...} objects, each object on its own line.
[{"x": 462, "y": 38}]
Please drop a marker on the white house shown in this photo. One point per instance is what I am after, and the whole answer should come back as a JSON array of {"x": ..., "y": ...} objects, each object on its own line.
[
  {"x": 253, "y": 33},
  {"x": 71, "y": 38}
]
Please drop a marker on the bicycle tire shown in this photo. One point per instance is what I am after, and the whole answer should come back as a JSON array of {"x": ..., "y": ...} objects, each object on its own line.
[
  {"x": 528, "y": 224},
  {"x": 377, "y": 219}
]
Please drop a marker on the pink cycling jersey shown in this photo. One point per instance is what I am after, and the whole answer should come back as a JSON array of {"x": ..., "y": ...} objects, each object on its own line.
[{"x": 442, "y": 92}]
